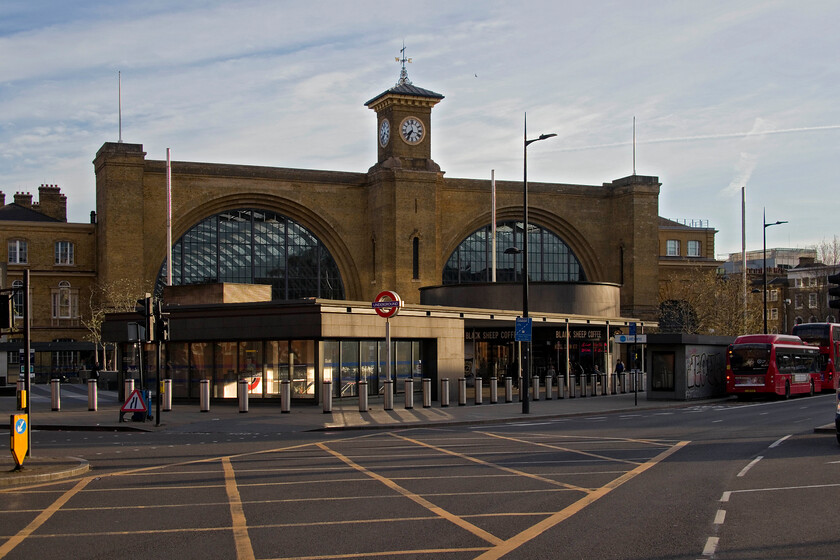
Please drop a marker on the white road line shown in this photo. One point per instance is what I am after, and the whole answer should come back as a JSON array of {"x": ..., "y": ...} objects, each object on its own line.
[
  {"x": 746, "y": 469},
  {"x": 720, "y": 516},
  {"x": 779, "y": 442},
  {"x": 725, "y": 496},
  {"x": 711, "y": 546}
]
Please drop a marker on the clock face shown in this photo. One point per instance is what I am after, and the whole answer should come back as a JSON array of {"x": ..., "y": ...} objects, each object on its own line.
[
  {"x": 384, "y": 132},
  {"x": 412, "y": 130}
]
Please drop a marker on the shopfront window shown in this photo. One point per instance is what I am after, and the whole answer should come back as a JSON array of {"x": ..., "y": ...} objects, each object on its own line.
[{"x": 250, "y": 366}]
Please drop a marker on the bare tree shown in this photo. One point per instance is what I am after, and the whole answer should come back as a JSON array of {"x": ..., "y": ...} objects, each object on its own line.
[
  {"x": 111, "y": 297},
  {"x": 828, "y": 251},
  {"x": 704, "y": 302}
]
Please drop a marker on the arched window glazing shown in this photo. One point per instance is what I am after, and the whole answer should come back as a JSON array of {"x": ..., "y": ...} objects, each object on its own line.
[
  {"x": 549, "y": 258},
  {"x": 253, "y": 246}
]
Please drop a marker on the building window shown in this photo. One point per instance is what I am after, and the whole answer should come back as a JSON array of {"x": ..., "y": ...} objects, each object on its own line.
[
  {"x": 549, "y": 258},
  {"x": 415, "y": 259},
  {"x": 672, "y": 248},
  {"x": 812, "y": 300},
  {"x": 693, "y": 248},
  {"x": 830, "y": 319},
  {"x": 18, "y": 252},
  {"x": 812, "y": 281},
  {"x": 797, "y": 301},
  {"x": 255, "y": 246},
  {"x": 797, "y": 282},
  {"x": 773, "y": 295},
  {"x": 773, "y": 313},
  {"x": 63, "y": 252},
  {"x": 65, "y": 302},
  {"x": 17, "y": 298},
  {"x": 798, "y": 320}
]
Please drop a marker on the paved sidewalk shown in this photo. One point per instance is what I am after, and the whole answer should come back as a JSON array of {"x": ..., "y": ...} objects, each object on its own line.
[{"x": 265, "y": 417}]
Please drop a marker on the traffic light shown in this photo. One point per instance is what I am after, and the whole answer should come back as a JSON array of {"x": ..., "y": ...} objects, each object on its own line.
[
  {"x": 834, "y": 291},
  {"x": 7, "y": 312},
  {"x": 162, "y": 323},
  {"x": 146, "y": 307}
]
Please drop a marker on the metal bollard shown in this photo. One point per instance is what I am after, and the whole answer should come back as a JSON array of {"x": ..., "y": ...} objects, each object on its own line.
[
  {"x": 549, "y": 389},
  {"x": 409, "y": 393},
  {"x": 462, "y": 391},
  {"x": 494, "y": 390},
  {"x": 242, "y": 394},
  {"x": 427, "y": 392},
  {"x": 444, "y": 392},
  {"x": 623, "y": 381},
  {"x": 508, "y": 389},
  {"x": 128, "y": 388},
  {"x": 55, "y": 394},
  {"x": 363, "y": 396},
  {"x": 535, "y": 382},
  {"x": 204, "y": 395},
  {"x": 167, "y": 395},
  {"x": 582, "y": 384},
  {"x": 389, "y": 395},
  {"x": 327, "y": 395},
  {"x": 479, "y": 390},
  {"x": 92, "y": 395},
  {"x": 593, "y": 380},
  {"x": 285, "y": 396}
]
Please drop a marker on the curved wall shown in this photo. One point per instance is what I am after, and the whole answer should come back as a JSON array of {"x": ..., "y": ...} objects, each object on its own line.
[{"x": 578, "y": 298}]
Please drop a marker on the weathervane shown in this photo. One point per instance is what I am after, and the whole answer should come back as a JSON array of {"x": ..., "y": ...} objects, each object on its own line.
[{"x": 403, "y": 81}]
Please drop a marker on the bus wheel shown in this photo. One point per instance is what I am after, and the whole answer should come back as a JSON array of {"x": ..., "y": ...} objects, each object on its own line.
[{"x": 787, "y": 390}]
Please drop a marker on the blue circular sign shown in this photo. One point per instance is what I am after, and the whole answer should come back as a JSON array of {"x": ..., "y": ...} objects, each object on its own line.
[{"x": 20, "y": 426}]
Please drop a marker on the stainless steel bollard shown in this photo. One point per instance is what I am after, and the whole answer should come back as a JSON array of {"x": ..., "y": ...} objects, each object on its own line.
[
  {"x": 479, "y": 390},
  {"x": 389, "y": 395},
  {"x": 623, "y": 381},
  {"x": 444, "y": 392},
  {"x": 167, "y": 395},
  {"x": 204, "y": 395},
  {"x": 427, "y": 392},
  {"x": 462, "y": 391},
  {"x": 508, "y": 390},
  {"x": 128, "y": 387},
  {"x": 593, "y": 380},
  {"x": 582, "y": 384},
  {"x": 494, "y": 390},
  {"x": 549, "y": 389},
  {"x": 535, "y": 382},
  {"x": 55, "y": 394},
  {"x": 242, "y": 394},
  {"x": 409, "y": 393},
  {"x": 363, "y": 396},
  {"x": 92, "y": 395},
  {"x": 327, "y": 395},
  {"x": 285, "y": 396}
]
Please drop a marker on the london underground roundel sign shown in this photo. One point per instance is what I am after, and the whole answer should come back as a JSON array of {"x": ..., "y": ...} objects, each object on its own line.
[{"x": 387, "y": 304}]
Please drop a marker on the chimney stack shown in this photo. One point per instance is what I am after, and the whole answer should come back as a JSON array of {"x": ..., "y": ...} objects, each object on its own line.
[
  {"x": 23, "y": 199},
  {"x": 52, "y": 203}
]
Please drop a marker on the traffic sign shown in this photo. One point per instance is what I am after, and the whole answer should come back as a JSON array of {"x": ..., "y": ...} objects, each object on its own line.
[
  {"x": 387, "y": 304},
  {"x": 522, "y": 332},
  {"x": 631, "y": 338},
  {"x": 20, "y": 437},
  {"x": 134, "y": 403}
]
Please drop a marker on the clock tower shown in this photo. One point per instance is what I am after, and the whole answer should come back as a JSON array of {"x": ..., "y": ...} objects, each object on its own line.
[{"x": 404, "y": 124}]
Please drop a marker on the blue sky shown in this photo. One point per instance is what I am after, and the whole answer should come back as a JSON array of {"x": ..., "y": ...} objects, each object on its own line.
[{"x": 725, "y": 94}]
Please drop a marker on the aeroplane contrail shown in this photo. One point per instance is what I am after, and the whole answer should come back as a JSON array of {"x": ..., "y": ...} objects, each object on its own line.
[{"x": 702, "y": 137}]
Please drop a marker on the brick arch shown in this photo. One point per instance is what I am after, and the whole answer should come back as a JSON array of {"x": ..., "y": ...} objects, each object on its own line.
[
  {"x": 578, "y": 244},
  {"x": 303, "y": 215}
]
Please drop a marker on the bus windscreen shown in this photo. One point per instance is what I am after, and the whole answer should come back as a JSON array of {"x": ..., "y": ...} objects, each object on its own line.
[{"x": 812, "y": 334}]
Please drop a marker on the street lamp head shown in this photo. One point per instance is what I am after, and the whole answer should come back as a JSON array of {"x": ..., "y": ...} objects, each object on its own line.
[{"x": 544, "y": 136}]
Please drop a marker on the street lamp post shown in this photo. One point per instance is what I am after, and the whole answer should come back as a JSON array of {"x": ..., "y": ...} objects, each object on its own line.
[
  {"x": 526, "y": 354},
  {"x": 764, "y": 262}
]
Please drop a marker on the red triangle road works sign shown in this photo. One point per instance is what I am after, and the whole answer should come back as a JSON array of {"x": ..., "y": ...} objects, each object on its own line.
[{"x": 134, "y": 402}]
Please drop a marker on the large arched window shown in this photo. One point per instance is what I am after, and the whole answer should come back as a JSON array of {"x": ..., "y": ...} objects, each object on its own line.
[
  {"x": 253, "y": 246},
  {"x": 549, "y": 259}
]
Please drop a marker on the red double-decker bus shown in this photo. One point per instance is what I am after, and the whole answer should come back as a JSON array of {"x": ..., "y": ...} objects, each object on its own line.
[
  {"x": 826, "y": 336},
  {"x": 772, "y": 364}
]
